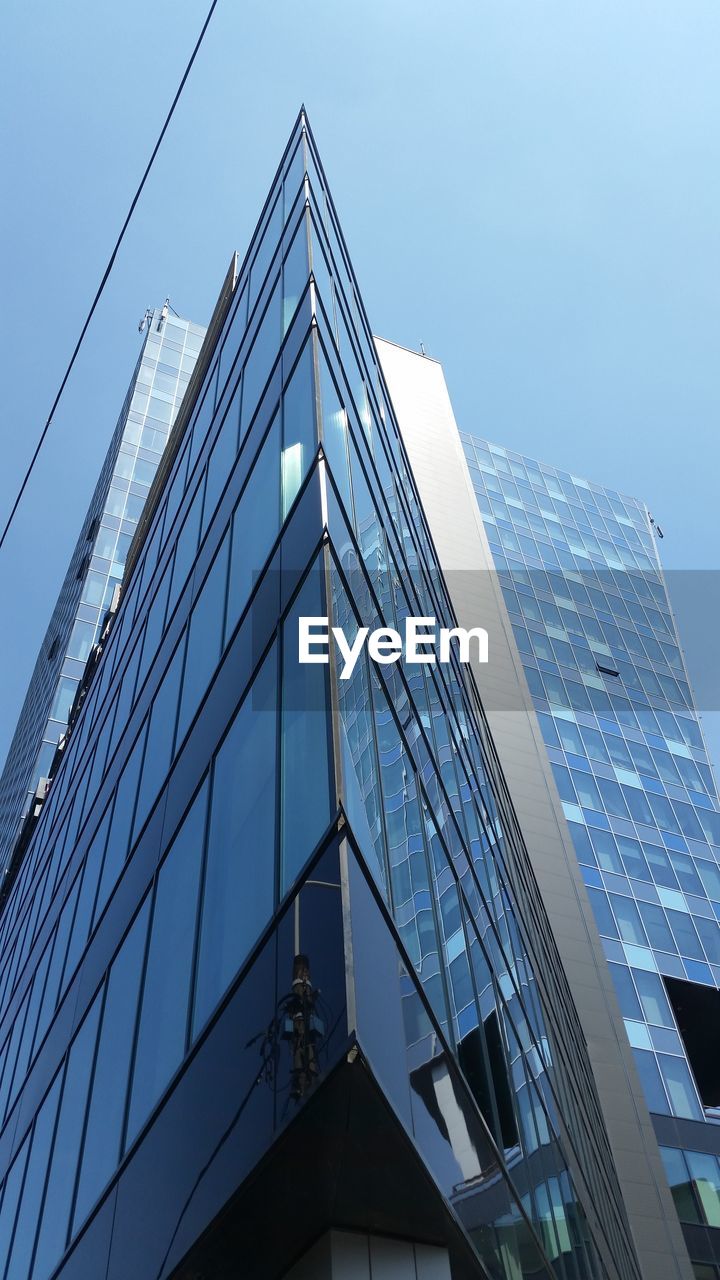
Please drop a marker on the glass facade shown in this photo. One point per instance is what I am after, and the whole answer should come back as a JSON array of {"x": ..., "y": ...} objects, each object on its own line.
[
  {"x": 250, "y": 878},
  {"x": 584, "y": 588},
  {"x": 167, "y": 359}
]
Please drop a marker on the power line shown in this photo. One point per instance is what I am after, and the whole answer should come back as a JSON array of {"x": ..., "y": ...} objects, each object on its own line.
[{"x": 106, "y": 275}]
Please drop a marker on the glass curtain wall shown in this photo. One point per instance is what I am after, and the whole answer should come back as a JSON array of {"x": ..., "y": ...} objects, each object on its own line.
[
  {"x": 583, "y": 584},
  {"x": 208, "y": 769}
]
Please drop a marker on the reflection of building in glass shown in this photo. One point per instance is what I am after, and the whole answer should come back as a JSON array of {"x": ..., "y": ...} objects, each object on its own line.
[
  {"x": 158, "y": 384},
  {"x": 581, "y": 591},
  {"x": 276, "y": 961}
]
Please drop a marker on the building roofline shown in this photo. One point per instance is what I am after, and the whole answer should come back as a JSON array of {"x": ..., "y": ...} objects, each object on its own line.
[{"x": 421, "y": 355}]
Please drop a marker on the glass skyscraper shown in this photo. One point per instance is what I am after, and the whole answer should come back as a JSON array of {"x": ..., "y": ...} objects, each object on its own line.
[
  {"x": 279, "y": 992},
  {"x": 585, "y": 599},
  {"x": 584, "y": 587},
  {"x": 163, "y": 370}
]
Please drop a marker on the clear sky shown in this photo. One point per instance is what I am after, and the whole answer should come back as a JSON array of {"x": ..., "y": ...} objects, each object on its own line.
[{"x": 531, "y": 188}]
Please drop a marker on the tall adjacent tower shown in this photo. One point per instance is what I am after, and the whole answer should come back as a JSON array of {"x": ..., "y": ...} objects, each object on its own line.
[
  {"x": 162, "y": 373},
  {"x": 591, "y": 616},
  {"x": 592, "y": 714},
  {"x": 280, "y": 995}
]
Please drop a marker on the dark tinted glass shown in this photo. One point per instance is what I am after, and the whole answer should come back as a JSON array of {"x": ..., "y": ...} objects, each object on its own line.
[
  {"x": 166, "y": 993},
  {"x": 239, "y": 883},
  {"x": 101, "y": 1148}
]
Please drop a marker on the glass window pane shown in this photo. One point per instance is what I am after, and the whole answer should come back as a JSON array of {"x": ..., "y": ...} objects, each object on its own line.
[
  {"x": 603, "y": 915},
  {"x": 260, "y": 360},
  {"x": 255, "y": 525},
  {"x": 161, "y": 734},
  {"x": 678, "y": 1082},
  {"x": 626, "y": 994},
  {"x": 101, "y": 1149},
  {"x": 296, "y": 271},
  {"x": 222, "y": 458},
  {"x": 166, "y": 993},
  {"x": 655, "y": 1004},
  {"x": 265, "y": 248},
  {"x": 205, "y": 637},
  {"x": 11, "y": 1196},
  {"x": 628, "y": 918},
  {"x": 187, "y": 544},
  {"x": 304, "y": 746},
  {"x": 33, "y": 1186},
  {"x": 651, "y": 1081},
  {"x": 64, "y": 697},
  {"x": 81, "y": 641},
  {"x": 335, "y": 435},
  {"x": 706, "y": 1176},
  {"x": 94, "y": 588},
  {"x": 63, "y": 1167},
  {"x": 120, "y": 824},
  {"x": 299, "y": 434},
  {"x": 239, "y": 885}
]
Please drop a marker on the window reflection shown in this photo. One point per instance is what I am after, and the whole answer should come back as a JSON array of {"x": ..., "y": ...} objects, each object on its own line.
[
  {"x": 239, "y": 877},
  {"x": 162, "y": 1028},
  {"x": 305, "y": 804}
]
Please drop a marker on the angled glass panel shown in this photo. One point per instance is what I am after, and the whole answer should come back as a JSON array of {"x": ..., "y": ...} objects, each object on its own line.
[
  {"x": 163, "y": 1023},
  {"x": 103, "y": 1132},
  {"x": 239, "y": 878}
]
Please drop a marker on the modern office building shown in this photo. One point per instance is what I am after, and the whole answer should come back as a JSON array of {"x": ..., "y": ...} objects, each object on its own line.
[
  {"x": 166, "y": 361},
  {"x": 579, "y": 606},
  {"x": 280, "y": 994}
]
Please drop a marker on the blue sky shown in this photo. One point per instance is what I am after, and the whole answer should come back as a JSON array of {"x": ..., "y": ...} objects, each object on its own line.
[{"x": 529, "y": 187}]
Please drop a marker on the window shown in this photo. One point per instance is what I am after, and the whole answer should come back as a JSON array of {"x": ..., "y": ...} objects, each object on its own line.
[
  {"x": 63, "y": 1163},
  {"x": 295, "y": 273},
  {"x": 679, "y": 1087},
  {"x": 34, "y": 1184},
  {"x": 305, "y": 803},
  {"x": 81, "y": 641},
  {"x": 64, "y": 697},
  {"x": 697, "y": 1013},
  {"x": 628, "y": 918},
  {"x": 101, "y": 1148},
  {"x": 607, "y": 671},
  {"x": 335, "y": 433},
  {"x": 265, "y": 248},
  {"x": 239, "y": 880},
  {"x": 161, "y": 735},
  {"x": 705, "y": 1172},
  {"x": 166, "y": 993},
  {"x": 603, "y": 915},
  {"x": 205, "y": 637},
  {"x": 655, "y": 1006},
  {"x": 187, "y": 544},
  {"x": 626, "y": 993},
  {"x": 10, "y": 1200},
  {"x": 651, "y": 1081},
  {"x": 255, "y": 525},
  {"x": 121, "y": 822},
  {"x": 298, "y": 426},
  {"x": 260, "y": 360},
  {"x": 222, "y": 458}
]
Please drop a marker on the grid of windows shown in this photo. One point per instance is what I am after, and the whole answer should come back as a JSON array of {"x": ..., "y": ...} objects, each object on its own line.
[
  {"x": 164, "y": 367},
  {"x": 584, "y": 588}
]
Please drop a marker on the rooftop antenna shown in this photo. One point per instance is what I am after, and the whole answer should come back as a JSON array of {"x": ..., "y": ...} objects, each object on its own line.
[
  {"x": 656, "y": 526},
  {"x": 422, "y": 348},
  {"x": 163, "y": 314},
  {"x": 145, "y": 320}
]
